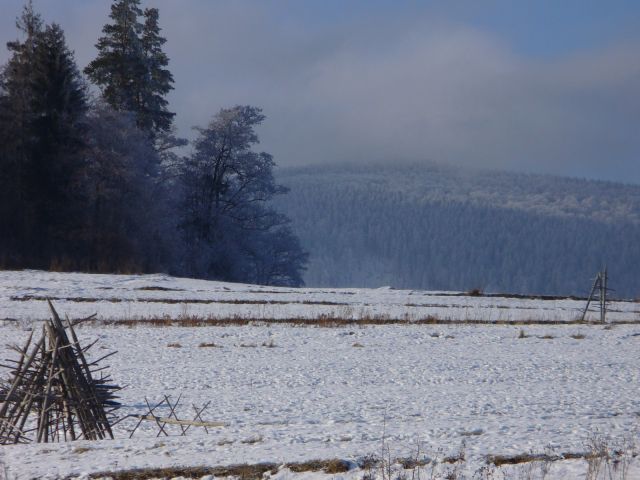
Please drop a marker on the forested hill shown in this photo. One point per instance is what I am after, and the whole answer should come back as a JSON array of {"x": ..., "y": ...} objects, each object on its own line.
[{"x": 437, "y": 227}]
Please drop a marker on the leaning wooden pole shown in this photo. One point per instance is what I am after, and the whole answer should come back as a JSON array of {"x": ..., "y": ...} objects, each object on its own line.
[
  {"x": 593, "y": 289},
  {"x": 101, "y": 416},
  {"x": 175, "y": 421},
  {"x": 603, "y": 296}
]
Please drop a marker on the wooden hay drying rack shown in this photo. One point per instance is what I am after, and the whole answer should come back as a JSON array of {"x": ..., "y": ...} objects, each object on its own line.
[{"x": 54, "y": 393}]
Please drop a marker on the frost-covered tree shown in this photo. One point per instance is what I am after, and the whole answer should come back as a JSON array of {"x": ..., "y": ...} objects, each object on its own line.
[
  {"x": 227, "y": 223},
  {"x": 274, "y": 258},
  {"x": 123, "y": 200}
]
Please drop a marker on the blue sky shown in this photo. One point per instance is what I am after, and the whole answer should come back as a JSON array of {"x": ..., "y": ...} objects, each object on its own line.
[{"x": 538, "y": 86}]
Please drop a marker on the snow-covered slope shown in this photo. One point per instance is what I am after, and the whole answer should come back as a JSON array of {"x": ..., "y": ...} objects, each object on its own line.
[{"x": 440, "y": 227}]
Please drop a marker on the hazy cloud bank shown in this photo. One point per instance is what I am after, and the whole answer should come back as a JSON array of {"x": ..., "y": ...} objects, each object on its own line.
[{"x": 389, "y": 85}]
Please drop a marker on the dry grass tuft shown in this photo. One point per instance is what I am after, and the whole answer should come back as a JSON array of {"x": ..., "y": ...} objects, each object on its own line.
[
  {"x": 156, "y": 288},
  {"x": 411, "y": 463},
  {"x": 460, "y": 457},
  {"x": 330, "y": 467},
  {"x": 209, "y": 345},
  {"x": 358, "y": 345},
  {"x": 80, "y": 450},
  {"x": 174, "y": 345},
  {"x": 579, "y": 336},
  {"x": 500, "y": 460},
  {"x": 252, "y": 440}
]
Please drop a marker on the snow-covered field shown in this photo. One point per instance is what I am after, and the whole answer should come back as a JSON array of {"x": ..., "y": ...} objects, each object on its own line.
[
  {"x": 22, "y": 296},
  {"x": 290, "y": 393}
]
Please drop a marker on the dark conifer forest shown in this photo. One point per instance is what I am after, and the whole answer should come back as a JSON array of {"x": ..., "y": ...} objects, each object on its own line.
[{"x": 90, "y": 177}]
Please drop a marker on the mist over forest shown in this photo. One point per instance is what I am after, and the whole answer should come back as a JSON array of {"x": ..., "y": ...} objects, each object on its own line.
[{"x": 452, "y": 228}]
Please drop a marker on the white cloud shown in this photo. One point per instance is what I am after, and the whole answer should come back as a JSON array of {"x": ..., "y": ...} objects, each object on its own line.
[{"x": 410, "y": 88}]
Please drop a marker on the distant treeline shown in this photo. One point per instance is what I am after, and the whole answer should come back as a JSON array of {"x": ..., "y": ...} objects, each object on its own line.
[
  {"x": 433, "y": 227},
  {"x": 95, "y": 184}
]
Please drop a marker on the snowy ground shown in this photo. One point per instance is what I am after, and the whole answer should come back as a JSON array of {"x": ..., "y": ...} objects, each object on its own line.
[
  {"x": 22, "y": 296},
  {"x": 325, "y": 393}
]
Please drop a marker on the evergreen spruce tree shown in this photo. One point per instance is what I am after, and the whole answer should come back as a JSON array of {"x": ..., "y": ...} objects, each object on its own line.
[
  {"x": 16, "y": 75},
  {"x": 154, "y": 115},
  {"x": 119, "y": 68},
  {"x": 130, "y": 66},
  {"x": 16, "y": 87},
  {"x": 42, "y": 105},
  {"x": 58, "y": 107},
  {"x": 15, "y": 139}
]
